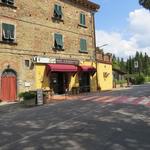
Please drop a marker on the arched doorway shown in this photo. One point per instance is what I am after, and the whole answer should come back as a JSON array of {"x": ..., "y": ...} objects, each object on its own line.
[{"x": 8, "y": 85}]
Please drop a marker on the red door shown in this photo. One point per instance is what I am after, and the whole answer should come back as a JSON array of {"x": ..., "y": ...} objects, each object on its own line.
[{"x": 8, "y": 87}]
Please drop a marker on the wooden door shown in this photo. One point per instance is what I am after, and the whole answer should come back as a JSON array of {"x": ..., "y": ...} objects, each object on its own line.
[{"x": 8, "y": 86}]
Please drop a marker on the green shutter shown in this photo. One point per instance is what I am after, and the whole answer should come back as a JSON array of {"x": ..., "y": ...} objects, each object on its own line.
[
  {"x": 83, "y": 45},
  {"x": 58, "y": 40},
  {"x": 10, "y": 2},
  {"x": 60, "y": 11},
  {"x": 82, "y": 19},
  {"x": 8, "y": 31},
  {"x": 5, "y": 28},
  {"x": 12, "y": 28},
  {"x": 57, "y": 11}
]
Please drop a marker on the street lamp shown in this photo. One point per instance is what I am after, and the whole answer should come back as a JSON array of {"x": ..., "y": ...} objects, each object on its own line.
[{"x": 103, "y": 45}]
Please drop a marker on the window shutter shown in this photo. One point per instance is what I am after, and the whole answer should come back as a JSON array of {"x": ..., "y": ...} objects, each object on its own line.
[
  {"x": 8, "y": 31},
  {"x": 5, "y": 29},
  {"x": 60, "y": 11},
  {"x": 83, "y": 45},
  {"x": 11, "y": 2},
  {"x": 58, "y": 41},
  {"x": 57, "y": 11},
  {"x": 12, "y": 29},
  {"x": 82, "y": 19},
  {"x": 5, "y": 1}
]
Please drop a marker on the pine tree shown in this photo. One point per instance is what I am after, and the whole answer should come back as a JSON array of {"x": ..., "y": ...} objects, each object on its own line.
[
  {"x": 122, "y": 65},
  {"x": 146, "y": 64},
  {"x": 130, "y": 66}
]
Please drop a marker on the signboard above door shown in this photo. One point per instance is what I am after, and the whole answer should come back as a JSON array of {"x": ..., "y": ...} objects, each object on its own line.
[
  {"x": 67, "y": 61},
  {"x": 53, "y": 60}
]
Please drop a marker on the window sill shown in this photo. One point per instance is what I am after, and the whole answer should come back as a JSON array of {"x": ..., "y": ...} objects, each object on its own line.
[
  {"x": 56, "y": 49},
  {"x": 57, "y": 19},
  {"x": 9, "y": 43},
  {"x": 85, "y": 52},
  {"x": 81, "y": 25},
  {"x": 8, "y": 5}
]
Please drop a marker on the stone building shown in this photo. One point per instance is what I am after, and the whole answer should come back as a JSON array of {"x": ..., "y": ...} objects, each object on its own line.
[{"x": 46, "y": 44}]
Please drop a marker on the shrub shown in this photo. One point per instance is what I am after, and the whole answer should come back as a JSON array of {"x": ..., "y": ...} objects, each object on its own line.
[
  {"x": 120, "y": 81},
  {"x": 27, "y": 95},
  {"x": 139, "y": 79},
  {"x": 147, "y": 79}
]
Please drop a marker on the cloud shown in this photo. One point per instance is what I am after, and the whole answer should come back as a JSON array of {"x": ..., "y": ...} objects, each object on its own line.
[{"x": 138, "y": 31}]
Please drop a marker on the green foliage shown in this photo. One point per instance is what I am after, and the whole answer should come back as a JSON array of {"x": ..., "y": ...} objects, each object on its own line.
[
  {"x": 128, "y": 67},
  {"x": 139, "y": 79},
  {"x": 147, "y": 79},
  {"x": 118, "y": 63},
  {"x": 120, "y": 81},
  {"x": 145, "y": 3},
  {"x": 136, "y": 78},
  {"x": 27, "y": 95}
]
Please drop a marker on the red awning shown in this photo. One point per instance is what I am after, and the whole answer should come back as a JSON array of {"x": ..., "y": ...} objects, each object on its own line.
[
  {"x": 87, "y": 69},
  {"x": 61, "y": 68}
]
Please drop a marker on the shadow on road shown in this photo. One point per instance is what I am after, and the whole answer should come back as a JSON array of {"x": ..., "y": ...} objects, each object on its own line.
[{"x": 78, "y": 125}]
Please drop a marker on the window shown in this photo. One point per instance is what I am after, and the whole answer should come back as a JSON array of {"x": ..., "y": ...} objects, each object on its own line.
[
  {"x": 8, "y": 2},
  {"x": 57, "y": 12},
  {"x": 82, "y": 19},
  {"x": 8, "y": 32},
  {"x": 27, "y": 63},
  {"x": 58, "y": 41},
  {"x": 83, "y": 45}
]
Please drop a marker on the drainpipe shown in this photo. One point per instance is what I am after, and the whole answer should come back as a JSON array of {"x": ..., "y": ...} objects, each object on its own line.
[{"x": 93, "y": 16}]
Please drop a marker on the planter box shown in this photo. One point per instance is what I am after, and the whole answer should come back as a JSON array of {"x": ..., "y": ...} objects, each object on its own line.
[{"x": 30, "y": 102}]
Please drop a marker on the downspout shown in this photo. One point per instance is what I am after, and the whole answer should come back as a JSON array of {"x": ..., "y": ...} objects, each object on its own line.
[{"x": 93, "y": 16}]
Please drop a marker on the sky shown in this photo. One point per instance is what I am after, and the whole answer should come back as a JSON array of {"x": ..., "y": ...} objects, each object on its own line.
[{"x": 123, "y": 26}]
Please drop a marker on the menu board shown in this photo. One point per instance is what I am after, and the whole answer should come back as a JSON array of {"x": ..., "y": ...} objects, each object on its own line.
[{"x": 39, "y": 97}]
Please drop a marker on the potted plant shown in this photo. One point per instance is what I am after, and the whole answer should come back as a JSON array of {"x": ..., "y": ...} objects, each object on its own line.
[{"x": 29, "y": 98}]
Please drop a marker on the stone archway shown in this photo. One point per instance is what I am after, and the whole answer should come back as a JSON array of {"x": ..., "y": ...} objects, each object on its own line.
[{"x": 8, "y": 85}]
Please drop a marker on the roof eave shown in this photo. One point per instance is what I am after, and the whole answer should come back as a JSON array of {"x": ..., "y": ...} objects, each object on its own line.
[{"x": 90, "y": 5}]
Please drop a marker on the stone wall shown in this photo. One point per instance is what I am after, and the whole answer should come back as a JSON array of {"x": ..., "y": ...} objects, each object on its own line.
[{"x": 35, "y": 35}]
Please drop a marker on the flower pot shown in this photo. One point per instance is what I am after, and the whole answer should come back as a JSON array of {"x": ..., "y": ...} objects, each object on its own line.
[{"x": 29, "y": 102}]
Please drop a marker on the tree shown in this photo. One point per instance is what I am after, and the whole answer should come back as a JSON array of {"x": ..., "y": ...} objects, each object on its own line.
[
  {"x": 130, "y": 65},
  {"x": 115, "y": 62},
  {"x": 122, "y": 65},
  {"x": 145, "y": 3},
  {"x": 146, "y": 64}
]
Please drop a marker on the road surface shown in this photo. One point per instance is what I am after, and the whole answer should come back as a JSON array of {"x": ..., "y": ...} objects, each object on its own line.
[{"x": 117, "y": 120}]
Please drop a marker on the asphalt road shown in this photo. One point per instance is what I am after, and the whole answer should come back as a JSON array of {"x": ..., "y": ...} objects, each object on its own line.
[{"x": 118, "y": 120}]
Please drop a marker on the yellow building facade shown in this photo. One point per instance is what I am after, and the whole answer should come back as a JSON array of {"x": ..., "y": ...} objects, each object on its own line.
[
  {"x": 99, "y": 76},
  {"x": 45, "y": 80},
  {"x": 104, "y": 70}
]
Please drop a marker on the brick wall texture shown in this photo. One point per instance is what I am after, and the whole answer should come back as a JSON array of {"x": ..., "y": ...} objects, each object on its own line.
[{"x": 35, "y": 35}]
